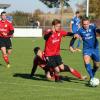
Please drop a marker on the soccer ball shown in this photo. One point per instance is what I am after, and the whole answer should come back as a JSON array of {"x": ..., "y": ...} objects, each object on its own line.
[{"x": 94, "y": 82}]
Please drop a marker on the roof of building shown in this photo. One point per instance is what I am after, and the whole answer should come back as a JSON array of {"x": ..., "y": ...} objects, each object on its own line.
[{"x": 4, "y": 6}]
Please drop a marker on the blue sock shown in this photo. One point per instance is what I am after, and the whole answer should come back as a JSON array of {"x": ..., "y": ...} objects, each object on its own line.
[
  {"x": 94, "y": 70},
  {"x": 89, "y": 70}
]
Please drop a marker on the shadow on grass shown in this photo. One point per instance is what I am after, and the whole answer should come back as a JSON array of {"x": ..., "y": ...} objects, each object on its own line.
[
  {"x": 1, "y": 64},
  {"x": 27, "y": 76},
  {"x": 74, "y": 80},
  {"x": 64, "y": 49},
  {"x": 43, "y": 78}
]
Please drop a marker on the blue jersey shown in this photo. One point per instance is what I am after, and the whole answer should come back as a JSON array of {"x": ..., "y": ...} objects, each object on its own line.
[
  {"x": 75, "y": 24},
  {"x": 89, "y": 37}
]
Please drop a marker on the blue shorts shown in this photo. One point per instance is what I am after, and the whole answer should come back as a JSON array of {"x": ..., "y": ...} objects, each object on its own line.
[{"x": 93, "y": 53}]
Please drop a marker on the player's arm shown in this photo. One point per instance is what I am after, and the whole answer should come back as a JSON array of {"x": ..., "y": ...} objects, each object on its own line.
[
  {"x": 65, "y": 33},
  {"x": 48, "y": 34},
  {"x": 96, "y": 29},
  {"x": 4, "y": 33},
  {"x": 11, "y": 29},
  {"x": 11, "y": 32},
  {"x": 69, "y": 34},
  {"x": 98, "y": 32},
  {"x": 34, "y": 68}
]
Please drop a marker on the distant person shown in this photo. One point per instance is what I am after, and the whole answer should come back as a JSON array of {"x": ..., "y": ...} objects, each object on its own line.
[
  {"x": 38, "y": 24},
  {"x": 6, "y": 32},
  {"x": 10, "y": 18},
  {"x": 74, "y": 26}
]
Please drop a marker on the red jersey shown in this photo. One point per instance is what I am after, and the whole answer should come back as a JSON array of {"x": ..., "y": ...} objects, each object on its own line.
[
  {"x": 52, "y": 44},
  {"x": 5, "y": 28},
  {"x": 40, "y": 61}
]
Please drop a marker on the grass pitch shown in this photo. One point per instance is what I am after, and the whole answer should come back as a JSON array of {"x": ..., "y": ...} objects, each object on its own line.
[{"x": 15, "y": 83}]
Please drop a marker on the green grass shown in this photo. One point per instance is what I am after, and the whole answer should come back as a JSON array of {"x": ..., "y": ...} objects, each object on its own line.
[{"x": 16, "y": 85}]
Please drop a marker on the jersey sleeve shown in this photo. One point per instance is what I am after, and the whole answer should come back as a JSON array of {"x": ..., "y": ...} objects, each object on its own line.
[
  {"x": 64, "y": 33},
  {"x": 93, "y": 26}
]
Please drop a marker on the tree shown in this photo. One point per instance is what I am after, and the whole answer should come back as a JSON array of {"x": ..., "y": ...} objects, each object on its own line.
[
  {"x": 21, "y": 18},
  {"x": 55, "y": 3},
  {"x": 94, "y": 8}
]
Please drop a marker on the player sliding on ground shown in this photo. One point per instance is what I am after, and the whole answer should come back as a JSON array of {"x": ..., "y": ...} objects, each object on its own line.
[
  {"x": 40, "y": 60},
  {"x": 88, "y": 33}
]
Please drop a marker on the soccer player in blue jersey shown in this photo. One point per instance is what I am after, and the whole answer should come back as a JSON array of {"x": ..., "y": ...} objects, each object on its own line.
[
  {"x": 74, "y": 26},
  {"x": 88, "y": 33}
]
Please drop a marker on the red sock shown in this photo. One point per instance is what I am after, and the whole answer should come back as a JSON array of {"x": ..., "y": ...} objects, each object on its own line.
[
  {"x": 6, "y": 59},
  {"x": 56, "y": 76},
  {"x": 76, "y": 73}
]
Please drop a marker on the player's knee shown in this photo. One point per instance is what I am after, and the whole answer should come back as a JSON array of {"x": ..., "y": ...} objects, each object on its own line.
[
  {"x": 66, "y": 68},
  {"x": 57, "y": 69},
  {"x": 3, "y": 51},
  {"x": 87, "y": 59}
]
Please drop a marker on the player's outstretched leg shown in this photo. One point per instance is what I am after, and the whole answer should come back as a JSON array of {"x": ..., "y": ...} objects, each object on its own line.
[{"x": 74, "y": 72}]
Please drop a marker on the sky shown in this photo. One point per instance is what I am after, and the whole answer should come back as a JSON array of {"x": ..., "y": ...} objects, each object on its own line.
[{"x": 32, "y": 5}]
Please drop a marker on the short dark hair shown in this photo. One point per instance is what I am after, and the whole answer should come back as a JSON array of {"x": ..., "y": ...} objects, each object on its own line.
[
  {"x": 3, "y": 12},
  {"x": 85, "y": 19},
  {"x": 36, "y": 49},
  {"x": 56, "y": 21},
  {"x": 77, "y": 12}
]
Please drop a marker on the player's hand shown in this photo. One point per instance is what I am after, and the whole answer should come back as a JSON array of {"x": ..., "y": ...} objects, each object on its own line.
[
  {"x": 4, "y": 34},
  {"x": 72, "y": 49},
  {"x": 76, "y": 36}
]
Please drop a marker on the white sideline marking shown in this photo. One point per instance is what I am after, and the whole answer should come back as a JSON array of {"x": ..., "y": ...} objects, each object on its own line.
[{"x": 50, "y": 87}]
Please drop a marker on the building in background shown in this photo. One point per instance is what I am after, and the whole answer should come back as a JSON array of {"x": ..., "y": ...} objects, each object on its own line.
[{"x": 94, "y": 8}]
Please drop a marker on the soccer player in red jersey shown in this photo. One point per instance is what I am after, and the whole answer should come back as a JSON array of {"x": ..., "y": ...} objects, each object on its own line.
[
  {"x": 6, "y": 32},
  {"x": 52, "y": 46},
  {"x": 40, "y": 61}
]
